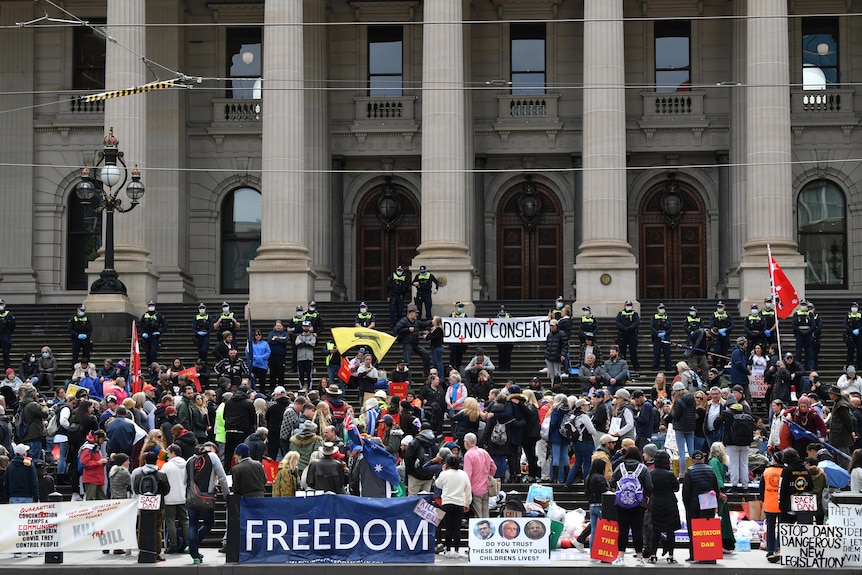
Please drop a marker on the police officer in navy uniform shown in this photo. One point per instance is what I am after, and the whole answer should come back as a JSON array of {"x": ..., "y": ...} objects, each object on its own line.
[
  {"x": 557, "y": 311},
  {"x": 294, "y": 328},
  {"x": 803, "y": 330},
  {"x": 817, "y": 334},
  {"x": 226, "y": 321},
  {"x": 153, "y": 324},
  {"x": 770, "y": 336},
  {"x": 81, "y": 332},
  {"x": 456, "y": 350},
  {"x": 853, "y": 335},
  {"x": 504, "y": 350},
  {"x": 588, "y": 325},
  {"x": 692, "y": 321},
  {"x": 312, "y": 315},
  {"x": 660, "y": 327},
  {"x": 425, "y": 284},
  {"x": 722, "y": 322},
  {"x": 365, "y": 319},
  {"x": 397, "y": 288},
  {"x": 753, "y": 325},
  {"x": 628, "y": 322},
  {"x": 7, "y": 327},
  {"x": 202, "y": 326}
]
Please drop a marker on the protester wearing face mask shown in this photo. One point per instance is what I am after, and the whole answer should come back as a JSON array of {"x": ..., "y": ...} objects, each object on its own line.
[
  {"x": 226, "y": 321},
  {"x": 46, "y": 366},
  {"x": 81, "y": 333},
  {"x": 151, "y": 326},
  {"x": 202, "y": 325},
  {"x": 628, "y": 322}
]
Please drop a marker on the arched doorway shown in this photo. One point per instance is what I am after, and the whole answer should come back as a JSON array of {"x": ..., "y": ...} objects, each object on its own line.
[
  {"x": 240, "y": 237},
  {"x": 529, "y": 243},
  {"x": 672, "y": 243},
  {"x": 388, "y": 231}
]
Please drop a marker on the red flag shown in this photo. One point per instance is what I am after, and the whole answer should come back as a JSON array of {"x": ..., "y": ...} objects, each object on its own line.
[
  {"x": 135, "y": 357},
  {"x": 344, "y": 370},
  {"x": 783, "y": 291},
  {"x": 192, "y": 373}
]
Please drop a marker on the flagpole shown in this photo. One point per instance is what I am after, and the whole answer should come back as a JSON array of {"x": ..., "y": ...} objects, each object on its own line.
[{"x": 774, "y": 304}]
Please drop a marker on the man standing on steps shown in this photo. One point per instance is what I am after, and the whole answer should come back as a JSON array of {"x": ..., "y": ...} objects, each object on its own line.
[
  {"x": 152, "y": 324},
  {"x": 628, "y": 322},
  {"x": 456, "y": 350},
  {"x": 7, "y": 327},
  {"x": 202, "y": 326},
  {"x": 397, "y": 287},
  {"x": 479, "y": 467},
  {"x": 425, "y": 284},
  {"x": 81, "y": 333},
  {"x": 407, "y": 331},
  {"x": 226, "y": 321},
  {"x": 660, "y": 327},
  {"x": 721, "y": 322}
]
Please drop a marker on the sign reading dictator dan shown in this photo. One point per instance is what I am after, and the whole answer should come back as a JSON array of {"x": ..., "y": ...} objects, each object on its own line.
[
  {"x": 605, "y": 547},
  {"x": 706, "y": 539},
  {"x": 334, "y": 529}
]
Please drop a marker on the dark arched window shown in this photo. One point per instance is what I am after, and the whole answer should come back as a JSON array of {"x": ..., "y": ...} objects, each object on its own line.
[
  {"x": 84, "y": 240},
  {"x": 822, "y": 224},
  {"x": 240, "y": 237}
]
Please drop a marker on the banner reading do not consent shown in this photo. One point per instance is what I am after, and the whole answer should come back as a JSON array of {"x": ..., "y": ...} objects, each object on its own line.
[{"x": 495, "y": 329}]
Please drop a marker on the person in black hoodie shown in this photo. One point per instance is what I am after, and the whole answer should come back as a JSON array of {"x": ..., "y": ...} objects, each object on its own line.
[
  {"x": 699, "y": 479},
  {"x": 239, "y": 422},
  {"x": 274, "y": 417},
  {"x": 664, "y": 510},
  {"x": 795, "y": 479},
  {"x": 420, "y": 451},
  {"x": 185, "y": 439}
]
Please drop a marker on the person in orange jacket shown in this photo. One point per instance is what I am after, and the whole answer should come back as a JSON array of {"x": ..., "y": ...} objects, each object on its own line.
[{"x": 770, "y": 484}]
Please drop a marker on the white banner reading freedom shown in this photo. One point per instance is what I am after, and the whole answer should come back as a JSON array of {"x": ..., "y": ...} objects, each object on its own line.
[
  {"x": 495, "y": 329},
  {"x": 69, "y": 526}
]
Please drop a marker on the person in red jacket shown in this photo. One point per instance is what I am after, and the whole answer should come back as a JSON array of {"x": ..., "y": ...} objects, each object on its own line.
[{"x": 94, "y": 464}]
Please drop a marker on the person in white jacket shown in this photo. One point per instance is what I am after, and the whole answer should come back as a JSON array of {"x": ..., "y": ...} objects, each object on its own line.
[
  {"x": 850, "y": 382},
  {"x": 175, "y": 501},
  {"x": 456, "y": 497}
]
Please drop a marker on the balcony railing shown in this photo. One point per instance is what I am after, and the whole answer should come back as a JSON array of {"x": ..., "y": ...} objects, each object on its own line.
[
  {"x": 71, "y": 104},
  {"x": 231, "y": 111},
  {"x": 822, "y": 102},
  {"x": 527, "y": 107},
  {"x": 379, "y": 109},
  {"x": 673, "y": 105}
]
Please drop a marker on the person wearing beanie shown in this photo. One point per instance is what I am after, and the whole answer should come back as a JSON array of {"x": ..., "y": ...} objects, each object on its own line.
[
  {"x": 664, "y": 510},
  {"x": 249, "y": 478}
]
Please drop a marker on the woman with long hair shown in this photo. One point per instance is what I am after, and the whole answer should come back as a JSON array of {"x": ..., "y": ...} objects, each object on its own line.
[
  {"x": 659, "y": 387},
  {"x": 596, "y": 485},
  {"x": 684, "y": 417},
  {"x": 719, "y": 460},
  {"x": 153, "y": 442},
  {"x": 323, "y": 417},
  {"x": 174, "y": 370},
  {"x": 559, "y": 444},
  {"x": 84, "y": 416},
  {"x": 435, "y": 341},
  {"x": 286, "y": 480},
  {"x": 259, "y": 412},
  {"x": 701, "y": 405},
  {"x": 466, "y": 421},
  {"x": 532, "y": 432},
  {"x": 456, "y": 495},
  {"x": 200, "y": 418}
]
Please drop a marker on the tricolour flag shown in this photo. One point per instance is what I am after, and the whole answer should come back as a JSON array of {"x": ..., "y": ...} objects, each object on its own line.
[
  {"x": 783, "y": 291},
  {"x": 135, "y": 360}
]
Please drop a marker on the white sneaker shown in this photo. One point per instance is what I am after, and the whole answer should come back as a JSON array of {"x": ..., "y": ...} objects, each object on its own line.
[
  {"x": 578, "y": 545},
  {"x": 564, "y": 376},
  {"x": 458, "y": 555},
  {"x": 620, "y": 560},
  {"x": 640, "y": 563},
  {"x": 543, "y": 370}
]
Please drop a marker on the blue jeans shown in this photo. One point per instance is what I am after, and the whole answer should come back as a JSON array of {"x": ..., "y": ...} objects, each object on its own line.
[
  {"x": 595, "y": 515},
  {"x": 437, "y": 360},
  {"x": 61, "y": 462},
  {"x": 685, "y": 445},
  {"x": 198, "y": 533},
  {"x": 20, "y": 500},
  {"x": 332, "y": 374},
  {"x": 583, "y": 453},
  {"x": 559, "y": 458},
  {"x": 771, "y": 535},
  {"x": 35, "y": 452},
  {"x": 500, "y": 462}
]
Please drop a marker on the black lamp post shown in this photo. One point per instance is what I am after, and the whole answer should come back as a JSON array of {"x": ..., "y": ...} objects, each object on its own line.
[{"x": 102, "y": 188}]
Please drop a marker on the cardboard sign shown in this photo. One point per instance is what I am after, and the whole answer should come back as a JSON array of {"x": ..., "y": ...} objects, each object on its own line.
[
  {"x": 149, "y": 502},
  {"x": 706, "y": 539},
  {"x": 428, "y": 512},
  {"x": 757, "y": 386},
  {"x": 399, "y": 388},
  {"x": 850, "y": 518},
  {"x": 812, "y": 546},
  {"x": 506, "y": 541},
  {"x": 605, "y": 539},
  {"x": 803, "y": 503}
]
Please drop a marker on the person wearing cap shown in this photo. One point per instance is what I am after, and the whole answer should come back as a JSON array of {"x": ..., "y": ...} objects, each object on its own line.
[
  {"x": 803, "y": 331},
  {"x": 305, "y": 342},
  {"x": 628, "y": 322},
  {"x": 151, "y": 326},
  {"x": 397, "y": 288},
  {"x": 645, "y": 418},
  {"x": 850, "y": 382},
  {"x": 684, "y": 418},
  {"x": 456, "y": 350},
  {"x": 841, "y": 433},
  {"x": 692, "y": 321},
  {"x": 853, "y": 335},
  {"x": 626, "y": 412},
  {"x": 425, "y": 284},
  {"x": 660, "y": 326},
  {"x": 80, "y": 333},
  {"x": 226, "y": 320},
  {"x": 698, "y": 480},
  {"x": 7, "y": 328},
  {"x": 407, "y": 332},
  {"x": 737, "y": 395},
  {"x": 721, "y": 325},
  {"x": 556, "y": 350},
  {"x": 294, "y": 328},
  {"x": 313, "y": 315},
  {"x": 588, "y": 325},
  {"x": 364, "y": 318},
  {"x": 480, "y": 362},
  {"x": 249, "y": 478},
  {"x": 769, "y": 321},
  {"x": 20, "y": 483},
  {"x": 556, "y": 312},
  {"x": 327, "y": 474},
  {"x": 738, "y": 435},
  {"x": 753, "y": 325},
  {"x": 699, "y": 344},
  {"x": 202, "y": 325}
]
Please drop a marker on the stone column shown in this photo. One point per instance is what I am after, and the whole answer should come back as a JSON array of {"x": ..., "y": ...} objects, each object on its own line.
[
  {"x": 723, "y": 222},
  {"x": 17, "y": 65},
  {"x": 444, "y": 178},
  {"x": 478, "y": 240},
  {"x": 738, "y": 148},
  {"x": 281, "y": 275},
  {"x": 605, "y": 266},
  {"x": 336, "y": 244},
  {"x": 769, "y": 207},
  {"x": 127, "y": 115},
  {"x": 317, "y": 149}
]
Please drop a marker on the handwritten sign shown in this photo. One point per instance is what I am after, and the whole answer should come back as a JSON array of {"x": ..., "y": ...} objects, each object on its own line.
[
  {"x": 807, "y": 546},
  {"x": 757, "y": 385},
  {"x": 604, "y": 547},
  {"x": 706, "y": 539},
  {"x": 428, "y": 512},
  {"x": 850, "y": 518},
  {"x": 149, "y": 502},
  {"x": 803, "y": 503}
]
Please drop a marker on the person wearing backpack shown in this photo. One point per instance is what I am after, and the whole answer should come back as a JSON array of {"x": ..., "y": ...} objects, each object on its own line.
[
  {"x": 559, "y": 443},
  {"x": 741, "y": 433},
  {"x": 204, "y": 471},
  {"x": 91, "y": 464},
  {"x": 632, "y": 485},
  {"x": 148, "y": 480},
  {"x": 583, "y": 442}
]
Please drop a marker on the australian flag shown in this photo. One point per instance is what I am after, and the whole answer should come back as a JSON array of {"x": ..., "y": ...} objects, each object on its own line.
[
  {"x": 381, "y": 461},
  {"x": 354, "y": 440}
]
